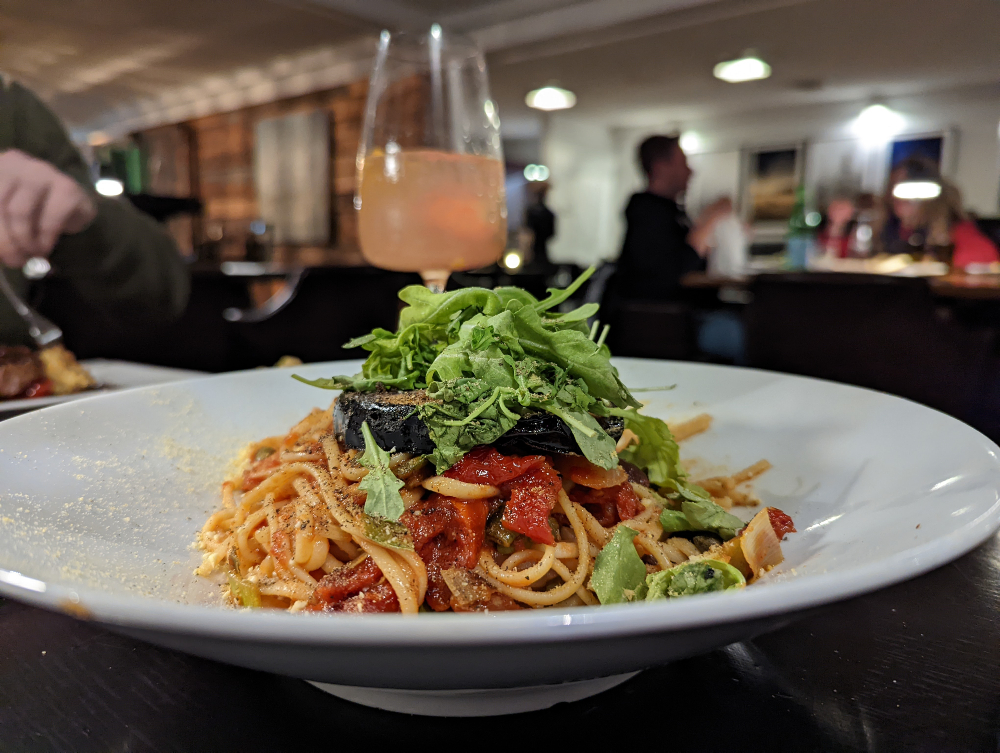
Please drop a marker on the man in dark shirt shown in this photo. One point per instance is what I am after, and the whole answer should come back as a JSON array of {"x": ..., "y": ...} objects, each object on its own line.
[{"x": 661, "y": 245}]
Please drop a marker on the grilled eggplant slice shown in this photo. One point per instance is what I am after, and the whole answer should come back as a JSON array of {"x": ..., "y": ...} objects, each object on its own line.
[{"x": 392, "y": 418}]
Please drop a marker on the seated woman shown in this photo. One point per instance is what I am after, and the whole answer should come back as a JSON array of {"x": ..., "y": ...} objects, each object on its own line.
[{"x": 915, "y": 224}]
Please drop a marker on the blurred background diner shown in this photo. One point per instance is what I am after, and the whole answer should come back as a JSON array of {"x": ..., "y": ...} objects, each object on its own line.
[{"x": 809, "y": 186}]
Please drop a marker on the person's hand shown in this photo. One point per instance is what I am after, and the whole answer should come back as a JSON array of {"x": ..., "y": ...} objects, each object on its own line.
[
  {"x": 700, "y": 234},
  {"x": 38, "y": 203},
  {"x": 715, "y": 211}
]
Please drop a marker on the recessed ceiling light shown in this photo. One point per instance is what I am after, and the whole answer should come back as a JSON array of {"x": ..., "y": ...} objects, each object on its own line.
[
  {"x": 737, "y": 71},
  {"x": 550, "y": 98},
  {"x": 690, "y": 142},
  {"x": 877, "y": 124}
]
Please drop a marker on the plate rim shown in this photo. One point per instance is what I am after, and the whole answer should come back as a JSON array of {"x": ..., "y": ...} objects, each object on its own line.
[{"x": 529, "y": 626}]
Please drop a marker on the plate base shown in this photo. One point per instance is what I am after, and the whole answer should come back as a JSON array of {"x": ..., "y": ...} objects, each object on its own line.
[{"x": 488, "y": 702}]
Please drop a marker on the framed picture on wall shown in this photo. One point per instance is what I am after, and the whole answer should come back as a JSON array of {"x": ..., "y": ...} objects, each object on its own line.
[
  {"x": 770, "y": 176},
  {"x": 937, "y": 148}
]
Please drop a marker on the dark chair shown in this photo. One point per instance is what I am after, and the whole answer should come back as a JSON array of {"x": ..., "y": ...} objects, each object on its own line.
[
  {"x": 331, "y": 306},
  {"x": 200, "y": 339},
  {"x": 652, "y": 329},
  {"x": 643, "y": 329},
  {"x": 875, "y": 331}
]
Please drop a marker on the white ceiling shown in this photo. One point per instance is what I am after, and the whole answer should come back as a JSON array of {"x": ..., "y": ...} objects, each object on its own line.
[{"x": 121, "y": 64}]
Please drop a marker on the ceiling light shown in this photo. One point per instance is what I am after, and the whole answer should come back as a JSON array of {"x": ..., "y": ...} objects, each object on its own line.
[
  {"x": 690, "y": 142},
  {"x": 917, "y": 189},
  {"x": 512, "y": 260},
  {"x": 737, "y": 71},
  {"x": 877, "y": 124},
  {"x": 536, "y": 173},
  {"x": 550, "y": 98},
  {"x": 109, "y": 187}
]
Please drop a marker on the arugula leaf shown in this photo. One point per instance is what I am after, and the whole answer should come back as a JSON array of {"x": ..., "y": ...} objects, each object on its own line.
[
  {"x": 381, "y": 483},
  {"x": 595, "y": 443},
  {"x": 618, "y": 571},
  {"x": 557, "y": 296},
  {"x": 575, "y": 352},
  {"x": 487, "y": 357},
  {"x": 701, "y": 515},
  {"x": 690, "y": 578},
  {"x": 455, "y": 429},
  {"x": 657, "y": 452}
]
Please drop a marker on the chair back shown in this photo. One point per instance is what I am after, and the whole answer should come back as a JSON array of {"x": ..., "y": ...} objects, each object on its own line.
[
  {"x": 332, "y": 306},
  {"x": 876, "y": 331}
]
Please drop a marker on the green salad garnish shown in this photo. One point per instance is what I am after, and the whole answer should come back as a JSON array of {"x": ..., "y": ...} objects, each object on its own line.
[{"x": 488, "y": 357}]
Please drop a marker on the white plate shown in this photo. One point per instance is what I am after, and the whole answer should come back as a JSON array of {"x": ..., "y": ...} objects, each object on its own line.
[
  {"x": 110, "y": 375},
  {"x": 100, "y": 501}
]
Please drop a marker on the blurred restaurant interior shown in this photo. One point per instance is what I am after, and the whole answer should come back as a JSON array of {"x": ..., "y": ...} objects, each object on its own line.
[
  {"x": 237, "y": 125},
  {"x": 807, "y": 187}
]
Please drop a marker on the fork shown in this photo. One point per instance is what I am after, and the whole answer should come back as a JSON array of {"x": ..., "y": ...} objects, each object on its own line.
[{"x": 41, "y": 330}]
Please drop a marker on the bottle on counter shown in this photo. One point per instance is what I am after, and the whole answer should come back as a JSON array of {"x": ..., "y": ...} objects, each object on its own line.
[{"x": 801, "y": 239}]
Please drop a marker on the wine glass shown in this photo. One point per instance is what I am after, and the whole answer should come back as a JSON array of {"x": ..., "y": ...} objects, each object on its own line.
[{"x": 430, "y": 191}]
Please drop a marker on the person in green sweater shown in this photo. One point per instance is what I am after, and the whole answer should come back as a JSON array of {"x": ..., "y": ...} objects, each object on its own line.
[{"x": 116, "y": 257}]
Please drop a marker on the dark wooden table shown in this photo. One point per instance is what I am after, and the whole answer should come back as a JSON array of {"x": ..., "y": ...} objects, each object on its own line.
[{"x": 915, "y": 667}]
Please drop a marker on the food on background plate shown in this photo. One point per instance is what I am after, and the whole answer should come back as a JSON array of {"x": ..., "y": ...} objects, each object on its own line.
[
  {"x": 486, "y": 458},
  {"x": 52, "y": 371}
]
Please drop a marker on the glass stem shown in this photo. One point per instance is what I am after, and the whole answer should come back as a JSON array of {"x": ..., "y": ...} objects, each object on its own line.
[{"x": 435, "y": 279}]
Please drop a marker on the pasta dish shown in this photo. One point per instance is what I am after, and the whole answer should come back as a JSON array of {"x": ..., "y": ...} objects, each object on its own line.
[{"x": 486, "y": 458}]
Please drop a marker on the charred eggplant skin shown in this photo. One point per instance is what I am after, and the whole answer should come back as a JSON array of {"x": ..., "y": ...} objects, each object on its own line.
[
  {"x": 544, "y": 433},
  {"x": 393, "y": 420},
  {"x": 391, "y": 416}
]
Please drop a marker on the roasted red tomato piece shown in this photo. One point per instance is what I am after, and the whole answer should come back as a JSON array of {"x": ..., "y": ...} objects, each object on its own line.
[
  {"x": 609, "y": 506},
  {"x": 484, "y": 465},
  {"x": 446, "y": 533},
  {"x": 532, "y": 498},
  {"x": 345, "y": 582},
  {"x": 377, "y": 598},
  {"x": 780, "y": 522},
  {"x": 470, "y": 517},
  {"x": 579, "y": 470}
]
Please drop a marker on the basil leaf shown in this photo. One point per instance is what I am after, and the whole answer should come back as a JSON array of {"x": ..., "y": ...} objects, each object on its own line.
[
  {"x": 618, "y": 571},
  {"x": 673, "y": 521},
  {"x": 703, "y": 576},
  {"x": 381, "y": 483},
  {"x": 701, "y": 515}
]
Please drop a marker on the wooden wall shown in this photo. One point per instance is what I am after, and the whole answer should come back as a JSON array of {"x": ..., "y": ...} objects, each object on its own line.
[{"x": 212, "y": 158}]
